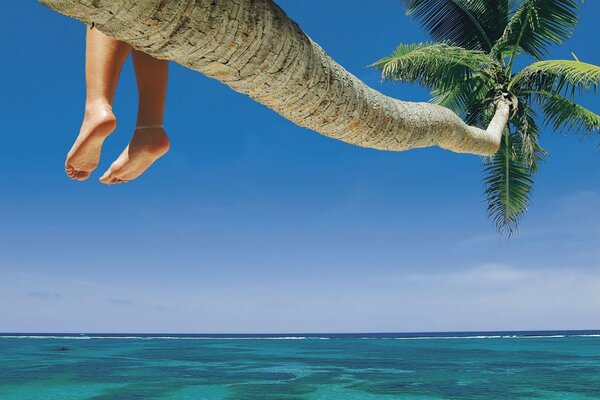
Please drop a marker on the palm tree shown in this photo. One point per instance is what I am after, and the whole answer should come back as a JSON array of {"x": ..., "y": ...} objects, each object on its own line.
[
  {"x": 256, "y": 49},
  {"x": 471, "y": 67}
]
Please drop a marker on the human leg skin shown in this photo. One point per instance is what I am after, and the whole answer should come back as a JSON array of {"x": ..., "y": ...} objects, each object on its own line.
[
  {"x": 104, "y": 59},
  {"x": 149, "y": 142}
]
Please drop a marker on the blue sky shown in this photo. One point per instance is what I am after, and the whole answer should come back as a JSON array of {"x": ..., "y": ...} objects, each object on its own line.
[{"x": 251, "y": 224}]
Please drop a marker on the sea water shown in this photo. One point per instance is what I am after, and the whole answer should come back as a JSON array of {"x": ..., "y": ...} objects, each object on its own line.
[{"x": 502, "y": 365}]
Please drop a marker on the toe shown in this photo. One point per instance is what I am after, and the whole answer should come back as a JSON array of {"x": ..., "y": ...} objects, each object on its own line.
[
  {"x": 70, "y": 171},
  {"x": 82, "y": 175},
  {"x": 107, "y": 177}
]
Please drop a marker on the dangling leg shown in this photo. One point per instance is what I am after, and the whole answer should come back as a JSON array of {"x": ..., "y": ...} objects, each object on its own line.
[
  {"x": 149, "y": 140},
  {"x": 104, "y": 58}
]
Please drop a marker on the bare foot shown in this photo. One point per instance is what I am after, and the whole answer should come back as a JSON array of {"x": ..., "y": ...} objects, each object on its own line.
[
  {"x": 98, "y": 123},
  {"x": 147, "y": 145}
]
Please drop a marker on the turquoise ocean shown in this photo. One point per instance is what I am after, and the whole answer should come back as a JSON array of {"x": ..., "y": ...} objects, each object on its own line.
[{"x": 499, "y": 365}]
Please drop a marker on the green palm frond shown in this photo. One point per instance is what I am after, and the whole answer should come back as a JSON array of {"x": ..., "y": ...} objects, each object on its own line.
[
  {"x": 427, "y": 63},
  {"x": 562, "y": 113},
  {"x": 528, "y": 133},
  {"x": 472, "y": 99},
  {"x": 494, "y": 17},
  {"x": 461, "y": 95},
  {"x": 537, "y": 24},
  {"x": 454, "y": 98},
  {"x": 557, "y": 76},
  {"x": 479, "y": 112},
  {"x": 508, "y": 184},
  {"x": 479, "y": 109},
  {"x": 471, "y": 24}
]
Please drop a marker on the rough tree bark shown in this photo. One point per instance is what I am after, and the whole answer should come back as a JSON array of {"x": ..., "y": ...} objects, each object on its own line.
[{"x": 255, "y": 48}]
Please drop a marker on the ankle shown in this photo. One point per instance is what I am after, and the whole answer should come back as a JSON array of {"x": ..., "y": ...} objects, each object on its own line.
[
  {"x": 97, "y": 108},
  {"x": 149, "y": 122},
  {"x": 155, "y": 140},
  {"x": 144, "y": 127}
]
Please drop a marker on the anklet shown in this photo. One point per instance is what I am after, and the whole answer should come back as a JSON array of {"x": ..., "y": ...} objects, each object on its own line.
[{"x": 148, "y": 127}]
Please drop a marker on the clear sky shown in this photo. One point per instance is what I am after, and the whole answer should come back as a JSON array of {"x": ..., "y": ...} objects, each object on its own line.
[{"x": 252, "y": 224}]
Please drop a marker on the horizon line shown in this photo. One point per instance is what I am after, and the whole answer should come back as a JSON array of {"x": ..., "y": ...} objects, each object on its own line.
[{"x": 295, "y": 333}]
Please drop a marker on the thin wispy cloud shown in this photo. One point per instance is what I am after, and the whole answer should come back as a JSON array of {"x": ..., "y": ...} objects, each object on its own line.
[
  {"x": 481, "y": 297},
  {"x": 45, "y": 295},
  {"x": 120, "y": 302}
]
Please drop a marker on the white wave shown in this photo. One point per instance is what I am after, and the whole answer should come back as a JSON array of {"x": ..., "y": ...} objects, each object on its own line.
[
  {"x": 232, "y": 338},
  {"x": 44, "y": 337},
  {"x": 448, "y": 337},
  {"x": 161, "y": 337},
  {"x": 543, "y": 336},
  {"x": 479, "y": 337},
  {"x": 493, "y": 337}
]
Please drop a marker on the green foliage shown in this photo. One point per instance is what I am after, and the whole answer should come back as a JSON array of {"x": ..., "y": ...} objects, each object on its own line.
[
  {"x": 537, "y": 24},
  {"x": 561, "y": 113},
  {"x": 471, "y": 24},
  {"x": 472, "y": 67},
  {"x": 471, "y": 101},
  {"x": 558, "y": 76},
  {"x": 426, "y": 62},
  {"x": 528, "y": 132},
  {"x": 465, "y": 95},
  {"x": 508, "y": 185}
]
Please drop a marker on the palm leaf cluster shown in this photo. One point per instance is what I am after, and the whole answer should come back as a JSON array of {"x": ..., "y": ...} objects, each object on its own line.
[{"x": 471, "y": 65}]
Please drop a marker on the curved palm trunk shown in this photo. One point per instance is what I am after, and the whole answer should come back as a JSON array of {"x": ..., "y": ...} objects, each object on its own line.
[{"x": 256, "y": 49}]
